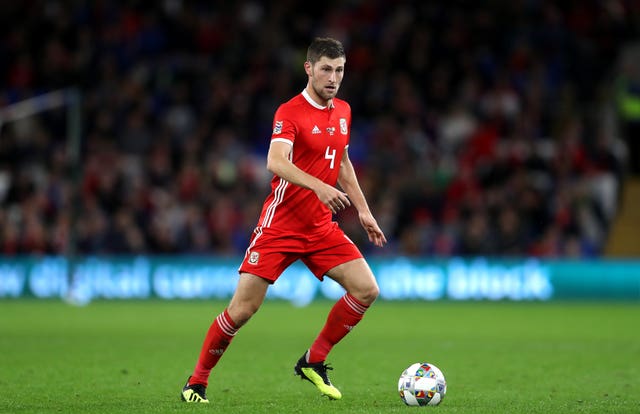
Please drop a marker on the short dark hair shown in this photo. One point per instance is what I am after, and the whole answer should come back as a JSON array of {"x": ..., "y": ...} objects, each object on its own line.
[{"x": 324, "y": 46}]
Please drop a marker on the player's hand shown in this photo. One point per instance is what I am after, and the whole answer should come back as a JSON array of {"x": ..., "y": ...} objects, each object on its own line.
[
  {"x": 375, "y": 234},
  {"x": 334, "y": 199}
]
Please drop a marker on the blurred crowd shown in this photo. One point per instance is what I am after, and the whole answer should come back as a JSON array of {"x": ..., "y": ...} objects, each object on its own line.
[{"x": 479, "y": 128}]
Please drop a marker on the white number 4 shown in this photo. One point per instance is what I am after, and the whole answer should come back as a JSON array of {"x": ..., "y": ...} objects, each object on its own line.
[{"x": 330, "y": 156}]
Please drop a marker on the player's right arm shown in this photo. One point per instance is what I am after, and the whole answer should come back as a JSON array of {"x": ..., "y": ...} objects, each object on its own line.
[{"x": 279, "y": 163}]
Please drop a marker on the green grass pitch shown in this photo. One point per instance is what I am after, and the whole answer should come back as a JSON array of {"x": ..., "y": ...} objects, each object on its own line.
[{"x": 133, "y": 357}]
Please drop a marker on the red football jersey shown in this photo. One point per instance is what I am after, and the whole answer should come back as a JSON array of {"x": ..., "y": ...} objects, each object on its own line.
[{"x": 319, "y": 136}]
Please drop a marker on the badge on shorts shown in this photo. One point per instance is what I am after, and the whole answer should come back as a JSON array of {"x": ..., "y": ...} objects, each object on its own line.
[{"x": 254, "y": 257}]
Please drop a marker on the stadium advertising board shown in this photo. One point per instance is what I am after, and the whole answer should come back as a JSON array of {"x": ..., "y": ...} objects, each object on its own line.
[{"x": 399, "y": 279}]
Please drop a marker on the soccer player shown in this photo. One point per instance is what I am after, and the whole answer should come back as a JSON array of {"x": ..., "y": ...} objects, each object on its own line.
[{"x": 308, "y": 156}]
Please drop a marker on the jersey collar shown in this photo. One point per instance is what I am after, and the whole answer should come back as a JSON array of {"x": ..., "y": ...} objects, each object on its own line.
[{"x": 313, "y": 103}]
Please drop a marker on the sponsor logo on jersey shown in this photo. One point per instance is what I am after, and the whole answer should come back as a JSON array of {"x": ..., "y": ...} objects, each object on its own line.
[
  {"x": 277, "y": 129},
  {"x": 315, "y": 130},
  {"x": 343, "y": 126},
  {"x": 331, "y": 130},
  {"x": 216, "y": 351},
  {"x": 254, "y": 257}
]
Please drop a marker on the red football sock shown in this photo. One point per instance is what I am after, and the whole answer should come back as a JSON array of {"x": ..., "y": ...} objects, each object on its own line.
[
  {"x": 343, "y": 317},
  {"x": 218, "y": 338}
]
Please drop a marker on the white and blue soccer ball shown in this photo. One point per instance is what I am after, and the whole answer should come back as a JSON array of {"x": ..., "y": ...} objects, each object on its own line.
[{"x": 422, "y": 384}]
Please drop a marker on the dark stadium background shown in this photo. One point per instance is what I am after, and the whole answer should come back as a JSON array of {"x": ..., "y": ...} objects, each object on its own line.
[{"x": 480, "y": 128}]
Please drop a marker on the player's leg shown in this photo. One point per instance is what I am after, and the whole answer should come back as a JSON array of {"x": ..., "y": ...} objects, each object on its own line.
[
  {"x": 246, "y": 300},
  {"x": 336, "y": 256},
  {"x": 361, "y": 291}
]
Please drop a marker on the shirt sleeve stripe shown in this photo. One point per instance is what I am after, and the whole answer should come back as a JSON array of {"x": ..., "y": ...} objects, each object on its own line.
[{"x": 286, "y": 141}]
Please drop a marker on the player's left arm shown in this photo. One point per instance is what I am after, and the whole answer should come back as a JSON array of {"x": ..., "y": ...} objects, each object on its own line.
[{"x": 349, "y": 182}]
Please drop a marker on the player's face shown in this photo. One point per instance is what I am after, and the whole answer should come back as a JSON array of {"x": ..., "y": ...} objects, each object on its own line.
[{"x": 325, "y": 76}]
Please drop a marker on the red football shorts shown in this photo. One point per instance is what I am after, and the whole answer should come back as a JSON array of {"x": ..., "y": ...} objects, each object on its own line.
[{"x": 271, "y": 252}]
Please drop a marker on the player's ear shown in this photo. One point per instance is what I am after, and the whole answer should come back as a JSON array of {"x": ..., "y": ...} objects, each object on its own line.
[{"x": 307, "y": 68}]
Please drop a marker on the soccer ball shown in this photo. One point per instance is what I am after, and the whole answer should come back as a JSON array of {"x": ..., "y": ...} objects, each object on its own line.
[{"x": 422, "y": 384}]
